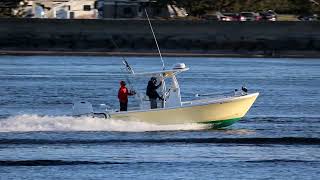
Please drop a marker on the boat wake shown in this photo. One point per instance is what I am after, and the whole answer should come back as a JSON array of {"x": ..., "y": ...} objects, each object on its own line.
[{"x": 29, "y": 123}]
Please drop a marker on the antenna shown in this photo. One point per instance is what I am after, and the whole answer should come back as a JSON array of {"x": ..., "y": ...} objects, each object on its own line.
[{"x": 155, "y": 39}]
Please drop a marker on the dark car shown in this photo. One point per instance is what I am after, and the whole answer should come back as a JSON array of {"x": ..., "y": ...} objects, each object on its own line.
[
  {"x": 250, "y": 16},
  {"x": 268, "y": 16},
  {"x": 308, "y": 17},
  {"x": 211, "y": 17}
]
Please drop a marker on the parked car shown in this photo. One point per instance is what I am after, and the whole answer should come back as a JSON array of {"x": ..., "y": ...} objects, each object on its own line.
[
  {"x": 249, "y": 16},
  {"x": 222, "y": 17},
  {"x": 226, "y": 18},
  {"x": 217, "y": 16},
  {"x": 308, "y": 17},
  {"x": 268, "y": 16},
  {"x": 211, "y": 17},
  {"x": 232, "y": 16}
]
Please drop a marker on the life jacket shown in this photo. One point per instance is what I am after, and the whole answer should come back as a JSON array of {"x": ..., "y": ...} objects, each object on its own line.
[{"x": 123, "y": 94}]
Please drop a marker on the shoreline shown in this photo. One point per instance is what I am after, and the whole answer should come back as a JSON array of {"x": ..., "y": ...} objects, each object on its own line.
[{"x": 282, "y": 54}]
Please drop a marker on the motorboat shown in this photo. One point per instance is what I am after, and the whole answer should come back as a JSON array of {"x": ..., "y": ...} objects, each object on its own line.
[{"x": 217, "y": 112}]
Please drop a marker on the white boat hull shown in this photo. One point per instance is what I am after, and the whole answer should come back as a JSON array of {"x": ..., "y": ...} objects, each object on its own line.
[{"x": 218, "y": 112}]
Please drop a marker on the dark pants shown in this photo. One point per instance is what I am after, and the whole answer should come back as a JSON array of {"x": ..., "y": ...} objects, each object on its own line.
[
  {"x": 123, "y": 106},
  {"x": 153, "y": 103}
]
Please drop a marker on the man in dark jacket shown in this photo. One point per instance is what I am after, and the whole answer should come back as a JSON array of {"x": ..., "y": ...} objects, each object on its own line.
[
  {"x": 123, "y": 94},
  {"x": 152, "y": 92}
]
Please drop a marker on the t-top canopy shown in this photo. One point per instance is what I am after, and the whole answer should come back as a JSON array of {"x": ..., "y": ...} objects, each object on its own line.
[{"x": 178, "y": 68}]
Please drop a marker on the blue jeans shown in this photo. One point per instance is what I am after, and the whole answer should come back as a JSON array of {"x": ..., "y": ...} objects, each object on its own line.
[{"x": 153, "y": 103}]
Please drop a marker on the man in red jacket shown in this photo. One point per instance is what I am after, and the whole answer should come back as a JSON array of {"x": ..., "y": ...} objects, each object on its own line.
[{"x": 123, "y": 94}]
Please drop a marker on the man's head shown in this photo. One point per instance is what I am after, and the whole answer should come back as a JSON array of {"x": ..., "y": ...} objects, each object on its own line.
[
  {"x": 122, "y": 83},
  {"x": 154, "y": 80}
]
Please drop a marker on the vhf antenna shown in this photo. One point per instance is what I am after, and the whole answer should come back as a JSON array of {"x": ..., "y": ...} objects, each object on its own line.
[{"x": 155, "y": 39}]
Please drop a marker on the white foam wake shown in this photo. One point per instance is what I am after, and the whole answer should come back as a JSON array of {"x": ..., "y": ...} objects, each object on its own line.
[{"x": 27, "y": 122}]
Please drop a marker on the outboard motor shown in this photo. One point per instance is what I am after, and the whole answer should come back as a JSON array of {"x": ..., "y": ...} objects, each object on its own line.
[{"x": 82, "y": 108}]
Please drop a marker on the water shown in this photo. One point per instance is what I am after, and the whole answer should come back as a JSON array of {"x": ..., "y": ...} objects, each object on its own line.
[{"x": 278, "y": 139}]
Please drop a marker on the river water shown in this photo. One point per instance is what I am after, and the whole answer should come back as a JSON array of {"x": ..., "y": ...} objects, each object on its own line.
[{"x": 278, "y": 139}]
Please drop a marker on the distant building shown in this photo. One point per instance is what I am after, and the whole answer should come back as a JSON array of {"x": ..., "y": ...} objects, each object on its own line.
[
  {"x": 135, "y": 9},
  {"x": 65, "y": 9}
]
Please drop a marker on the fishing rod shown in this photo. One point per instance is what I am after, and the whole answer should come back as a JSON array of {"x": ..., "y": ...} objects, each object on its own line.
[
  {"x": 128, "y": 67},
  {"x": 155, "y": 38},
  {"x": 117, "y": 47}
]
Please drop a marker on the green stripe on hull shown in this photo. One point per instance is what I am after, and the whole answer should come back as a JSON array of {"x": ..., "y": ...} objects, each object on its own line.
[{"x": 221, "y": 123}]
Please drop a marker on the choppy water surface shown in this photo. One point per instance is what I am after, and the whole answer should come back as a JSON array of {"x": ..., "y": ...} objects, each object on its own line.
[{"x": 279, "y": 138}]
